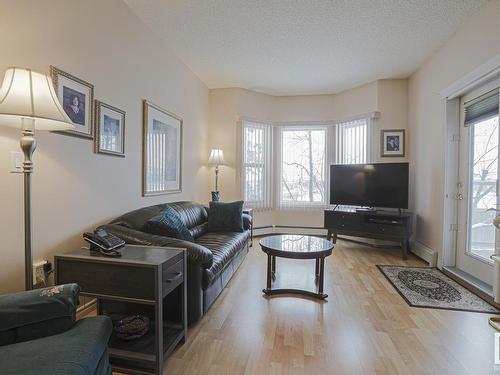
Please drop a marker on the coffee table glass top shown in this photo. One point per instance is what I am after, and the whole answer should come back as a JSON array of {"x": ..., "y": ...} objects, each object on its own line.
[{"x": 292, "y": 243}]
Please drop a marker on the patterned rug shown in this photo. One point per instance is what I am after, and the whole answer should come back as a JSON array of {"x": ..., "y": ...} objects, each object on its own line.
[{"x": 429, "y": 287}]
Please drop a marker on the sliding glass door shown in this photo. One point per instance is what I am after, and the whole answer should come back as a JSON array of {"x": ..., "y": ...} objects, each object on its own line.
[{"x": 478, "y": 195}]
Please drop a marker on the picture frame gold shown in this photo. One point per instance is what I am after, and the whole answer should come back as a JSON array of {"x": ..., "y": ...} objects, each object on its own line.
[
  {"x": 67, "y": 85},
  {"x": 102, "y": 110}
]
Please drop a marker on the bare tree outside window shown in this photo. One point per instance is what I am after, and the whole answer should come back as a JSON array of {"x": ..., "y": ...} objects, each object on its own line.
[
  {"x": 484, "y": 135},
  {"x": 303, "y": 166}
]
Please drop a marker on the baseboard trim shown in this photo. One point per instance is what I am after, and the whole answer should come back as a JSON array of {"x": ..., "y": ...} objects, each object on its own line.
[
  {"x": 86, "y": 308},
  {"x": 288, "y": 229},
  {"x": 425, "y": 253}
]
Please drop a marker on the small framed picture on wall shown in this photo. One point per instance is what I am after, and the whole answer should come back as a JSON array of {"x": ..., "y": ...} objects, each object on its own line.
[
  {"x": 393, "y": 143},
  {"x": 110, "y": 129},
  {"x": 77, "y": 98}
]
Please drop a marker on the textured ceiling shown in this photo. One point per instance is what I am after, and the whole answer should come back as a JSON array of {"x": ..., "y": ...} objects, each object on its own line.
[{"x": 287, "y": 47}]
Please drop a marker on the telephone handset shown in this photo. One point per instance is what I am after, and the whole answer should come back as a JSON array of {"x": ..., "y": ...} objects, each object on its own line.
[{"x": 104, "y": 242}]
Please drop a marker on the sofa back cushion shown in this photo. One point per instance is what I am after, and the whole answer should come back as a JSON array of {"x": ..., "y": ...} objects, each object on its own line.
[
  {"x": 169, "y": 224},
  {"x": 225, "y": 217},
  {"x": 192, "y": 215}
]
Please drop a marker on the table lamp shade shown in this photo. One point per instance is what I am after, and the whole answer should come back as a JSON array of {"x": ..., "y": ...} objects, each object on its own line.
[
  {"x": 216, "y": 157},
  {"x": 28, "y": 94}
]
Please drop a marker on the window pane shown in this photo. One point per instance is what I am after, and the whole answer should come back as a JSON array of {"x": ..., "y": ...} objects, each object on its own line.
[
  {"x": 483, "y": 187},
  {"x": 303, "y": 165}
]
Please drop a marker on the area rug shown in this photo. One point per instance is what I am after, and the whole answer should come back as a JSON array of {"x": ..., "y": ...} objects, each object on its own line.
[{"x": 429, "y": 287}]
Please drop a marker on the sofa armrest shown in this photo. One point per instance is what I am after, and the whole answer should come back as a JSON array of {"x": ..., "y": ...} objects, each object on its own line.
[
  {"x": 195, "y": 252},
  {"x": 37, "y": 313},
  {"x": 247, "y": 222}
]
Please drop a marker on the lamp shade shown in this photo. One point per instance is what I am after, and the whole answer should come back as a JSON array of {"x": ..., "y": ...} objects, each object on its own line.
[
  {"x": 216, "y": 157},
  {"x": 28, "y": 94}
]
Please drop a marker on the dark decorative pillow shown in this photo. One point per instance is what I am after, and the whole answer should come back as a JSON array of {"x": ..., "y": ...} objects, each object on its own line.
[
  {"x": 225, "y": 217},
  {"x": 168, "y": 224}
]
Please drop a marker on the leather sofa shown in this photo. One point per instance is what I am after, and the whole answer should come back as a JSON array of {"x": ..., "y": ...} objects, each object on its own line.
[{"x": 212, "y": 259}]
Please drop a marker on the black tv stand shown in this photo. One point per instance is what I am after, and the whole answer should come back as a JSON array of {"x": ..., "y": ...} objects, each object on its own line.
[{"x": 382, "y": 225}]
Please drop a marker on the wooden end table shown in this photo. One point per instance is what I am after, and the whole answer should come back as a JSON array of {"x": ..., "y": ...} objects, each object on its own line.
[{"x": 144, "y": 280}]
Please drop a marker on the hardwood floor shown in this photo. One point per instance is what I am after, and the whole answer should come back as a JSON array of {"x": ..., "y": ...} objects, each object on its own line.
[{"x": 364, "y": 327}]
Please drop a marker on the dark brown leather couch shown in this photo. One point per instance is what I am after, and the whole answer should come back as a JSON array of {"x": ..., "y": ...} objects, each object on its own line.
[{"x": 212, "y": 259}]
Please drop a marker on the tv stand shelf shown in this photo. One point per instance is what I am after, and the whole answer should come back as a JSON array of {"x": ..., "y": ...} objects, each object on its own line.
[{"x": 382, "y": 225}]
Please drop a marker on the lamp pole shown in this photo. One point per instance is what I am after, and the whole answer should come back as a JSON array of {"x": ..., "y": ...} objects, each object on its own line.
[
  {"x": 216, "y": 176},
  {"x": 28, "y": 145}
]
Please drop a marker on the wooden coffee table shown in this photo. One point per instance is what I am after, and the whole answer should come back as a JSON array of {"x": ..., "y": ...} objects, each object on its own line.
[{"x": 296, "y": 247}]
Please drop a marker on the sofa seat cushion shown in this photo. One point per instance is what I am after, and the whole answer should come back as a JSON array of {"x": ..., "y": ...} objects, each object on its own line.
[
  {"x": 78, "y": 351},
  {"x": 224, "y": 246}
]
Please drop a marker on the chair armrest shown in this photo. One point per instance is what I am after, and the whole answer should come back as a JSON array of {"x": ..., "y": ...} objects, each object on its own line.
[
  {"x": 247, "y": 222},
  {"x": 195, "y": 252},
  {"x": 37, "y": 313}
]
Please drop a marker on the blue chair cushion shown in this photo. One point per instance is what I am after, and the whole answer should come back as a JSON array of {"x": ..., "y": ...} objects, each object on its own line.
[
  {"x": 37, "y": 313},
  {"x": 169, "y": 224},
  {"x": 81, "y": 350}
]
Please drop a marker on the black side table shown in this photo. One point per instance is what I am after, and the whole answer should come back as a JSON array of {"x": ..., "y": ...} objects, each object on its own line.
[{"x": 145, "y": 280}]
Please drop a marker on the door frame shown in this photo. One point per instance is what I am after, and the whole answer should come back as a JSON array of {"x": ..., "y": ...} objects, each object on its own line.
[{"x": 451, "y": 102}]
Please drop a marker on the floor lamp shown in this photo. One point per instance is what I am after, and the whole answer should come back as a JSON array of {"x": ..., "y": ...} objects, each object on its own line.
[{"x": 28, "y": 101}]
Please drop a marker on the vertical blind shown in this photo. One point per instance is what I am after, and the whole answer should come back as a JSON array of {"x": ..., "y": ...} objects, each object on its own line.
[
  {"x": 257, "y": 165},
  {"x": 352, "y": 142}
]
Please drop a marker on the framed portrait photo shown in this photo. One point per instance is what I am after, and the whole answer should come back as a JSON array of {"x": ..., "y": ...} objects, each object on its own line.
[
  {"x": 110, "y": 130},
  {"x": 77, "y": 98},
  {"x": 393, "y": 143},
  {"x": 162, "y": 151}
]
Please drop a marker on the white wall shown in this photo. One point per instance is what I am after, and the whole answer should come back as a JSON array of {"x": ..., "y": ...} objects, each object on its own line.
[
  {"x": 227, "y": 106},
  {"x": 476, "y": 42},
  {"x": 74, "y": 190}
]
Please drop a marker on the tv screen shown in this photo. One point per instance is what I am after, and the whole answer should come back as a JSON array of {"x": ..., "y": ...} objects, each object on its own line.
[{"x": 370, "y": 185}]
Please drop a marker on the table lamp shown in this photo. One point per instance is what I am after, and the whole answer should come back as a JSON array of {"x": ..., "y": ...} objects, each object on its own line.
[
  {"x": 28, "y": 101},
  {"x": 216, "y": 159}
]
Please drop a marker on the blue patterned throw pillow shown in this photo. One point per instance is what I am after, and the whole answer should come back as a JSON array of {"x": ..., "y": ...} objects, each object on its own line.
[
  {"x": 168, "y": 224},
  {"x": 225, "y": 217}
]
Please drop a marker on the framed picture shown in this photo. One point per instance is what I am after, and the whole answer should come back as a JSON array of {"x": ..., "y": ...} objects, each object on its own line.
[
  {"x": 77, "y": 98},
  {"x": 393, "y": 143},
  {"x": 110, "y": 129},
  {"x": 162, "y": 151}
]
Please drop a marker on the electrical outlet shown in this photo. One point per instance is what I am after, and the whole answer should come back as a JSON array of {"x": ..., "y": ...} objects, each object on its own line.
[
  {"x": 39, "y": 272},
  {"x": 16, "y": 162}
]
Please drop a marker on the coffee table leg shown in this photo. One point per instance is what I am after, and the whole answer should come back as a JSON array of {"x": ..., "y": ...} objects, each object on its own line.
[
  {"x": 269, "y": 271},
  {"x": 316, "y": 272},
  {"x": 273, "y": 267},
  {"x": 321, "y": 277}
]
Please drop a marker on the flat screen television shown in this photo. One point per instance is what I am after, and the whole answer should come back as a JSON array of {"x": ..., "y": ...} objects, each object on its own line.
[{"x": 370, "y": 185}]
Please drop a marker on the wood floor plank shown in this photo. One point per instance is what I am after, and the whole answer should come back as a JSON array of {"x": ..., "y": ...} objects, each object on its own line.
[{"x": 364, "y": 327}]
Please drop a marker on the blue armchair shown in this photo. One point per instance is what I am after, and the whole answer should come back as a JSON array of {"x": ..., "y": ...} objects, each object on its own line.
[{"x": 39, "y": 334}]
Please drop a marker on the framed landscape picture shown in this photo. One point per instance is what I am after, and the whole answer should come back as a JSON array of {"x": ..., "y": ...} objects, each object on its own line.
[
  {"x": 393, "y": 143},
  {"x": 76, "y": 97},
  {"x": 110, "y": 129},
  {"x": 162, "y": 151}
]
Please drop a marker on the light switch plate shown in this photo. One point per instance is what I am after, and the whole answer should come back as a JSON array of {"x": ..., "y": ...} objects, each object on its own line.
[{"x": 16, "y": 162}]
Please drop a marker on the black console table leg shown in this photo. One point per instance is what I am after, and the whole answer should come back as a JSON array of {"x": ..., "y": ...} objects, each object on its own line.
[{"x": 404, "y": 247}]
